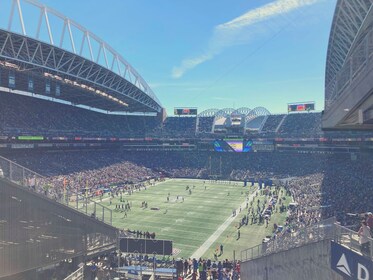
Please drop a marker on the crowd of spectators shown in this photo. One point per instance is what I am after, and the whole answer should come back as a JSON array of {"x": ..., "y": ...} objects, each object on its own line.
[
  {"x": 307, "y": 193},
  {"x": 255, "y": 123},
  {"x": 120, "y": 173},
  {"x": 22, "y": 115},
  {"x": 324, "y": 185},
  {"x": 31, "y": 116},
  {"x": 205, "y": 124},
  {"x": 341, "y": 190},
  {"x": 108, "y": 163},
  {"x": 173, "y": 164},
  {"x": 347, "y": 188},
  {"x": 105, "y": 267},
  {"x": 272, "y": 165},
  {"x": 272, "y": 123},
  {"x": 204, "y": 269},
  {"x": 78, "y": 171},
  {"x": 95, "y": 170},
  {"x": 179, "y": 126},
  {"x": 301, "y": 124}
]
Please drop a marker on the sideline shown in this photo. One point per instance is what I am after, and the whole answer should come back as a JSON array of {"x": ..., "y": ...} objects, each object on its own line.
[
  {"x": 97, "y": 199},
  {"x": 207, "y": 244}
]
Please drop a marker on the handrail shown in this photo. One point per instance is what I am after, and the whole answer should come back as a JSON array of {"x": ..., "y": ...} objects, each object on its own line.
[
  {"x": 288, "y": 239},
  {"x": 326, "y": 229},
  {"x": 350, "y": 239},
  {"x": 37, "y": 183},
  {"x": 77, "y": 274}
]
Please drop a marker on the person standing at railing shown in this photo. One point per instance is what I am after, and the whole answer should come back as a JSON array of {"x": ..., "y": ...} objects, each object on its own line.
[
  {"x": 370, "y": 222},
  {"x": 364, "y": 235}
]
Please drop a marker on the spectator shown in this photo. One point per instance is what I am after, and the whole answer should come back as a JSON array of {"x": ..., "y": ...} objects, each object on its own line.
[
  {"x": 364, "y": 235},
  {"x": 370, "y": 222}
]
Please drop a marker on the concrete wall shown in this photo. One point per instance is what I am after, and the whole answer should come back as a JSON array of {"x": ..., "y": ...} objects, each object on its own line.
[{"x": 308, "y": 262}]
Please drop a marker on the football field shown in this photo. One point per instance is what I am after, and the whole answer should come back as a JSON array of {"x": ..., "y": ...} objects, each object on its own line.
[{"x": 197, "y": 221}]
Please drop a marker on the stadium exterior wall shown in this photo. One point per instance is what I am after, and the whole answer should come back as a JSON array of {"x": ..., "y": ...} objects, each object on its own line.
[
  {"x": 308, "y": 262},
  {"x": 355, "y": 97},
  {"x": 348, "y": 88}
]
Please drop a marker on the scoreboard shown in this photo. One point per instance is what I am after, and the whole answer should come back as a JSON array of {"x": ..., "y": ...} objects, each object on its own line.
[
  {"x": 301, "y": 107},
  {"x": 185, "y": 111},
  {"x": 233, "y": 145}
]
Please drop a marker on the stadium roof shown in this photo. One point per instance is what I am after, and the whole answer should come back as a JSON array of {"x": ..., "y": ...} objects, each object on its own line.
[
  {"x": 252, "y": 118},
  {"x": 248, "y": 113},
  {"x": 55, "y": 49},
  {"x": 348, "y": 76},
  {"x": 348, "y": 18}
]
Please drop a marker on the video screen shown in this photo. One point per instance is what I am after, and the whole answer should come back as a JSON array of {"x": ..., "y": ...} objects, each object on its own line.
[
  {"x": 233, "y": 145},
  {"x": 185, "y": 111},
  {"x": 300, "y": 107}
]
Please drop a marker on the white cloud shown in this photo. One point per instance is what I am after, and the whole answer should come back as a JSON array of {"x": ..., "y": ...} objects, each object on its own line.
[
  {"x": 237, "y": 31},
  {"x": 265, "y": 12},
  {"x": 190, "y": 63}
]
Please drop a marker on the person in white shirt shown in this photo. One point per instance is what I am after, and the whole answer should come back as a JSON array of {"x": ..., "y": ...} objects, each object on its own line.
[{"x": 364, "y": 235}]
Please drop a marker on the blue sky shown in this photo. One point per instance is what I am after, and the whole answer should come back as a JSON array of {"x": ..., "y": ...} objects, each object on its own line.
[{"x": 217, "y": 54}]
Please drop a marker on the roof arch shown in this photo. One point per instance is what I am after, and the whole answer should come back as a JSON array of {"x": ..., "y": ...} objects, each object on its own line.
[
  {"x": 256, "y": 112},
  {"x": 246, "y": 112},
  {"x": 224, "y": 113},
  {"x": 242, "y": 111},
  {"x": 75, "y": 45},
  {"x": 261, "y": 111},
  {"x": 208, "y": 113}
]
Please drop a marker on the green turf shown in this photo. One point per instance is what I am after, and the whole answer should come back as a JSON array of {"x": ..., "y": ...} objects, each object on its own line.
[
  {"x": 190, "y": 223},
  {"x": 251, "y": 235}
]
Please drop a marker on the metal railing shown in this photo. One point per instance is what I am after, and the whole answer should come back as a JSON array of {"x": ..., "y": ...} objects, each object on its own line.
[
  {"x": 88, "y": 206},
  {"x": 37, "y": 183},
  {"x": 326, "y": 229},
  {"x": 288, "y": 239},
  {"x": 350, "y": 239},
  {"x": 77, "y": 274}
]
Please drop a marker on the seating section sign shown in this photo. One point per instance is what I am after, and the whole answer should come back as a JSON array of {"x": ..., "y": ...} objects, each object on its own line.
[{"x": 350, "y": 264}]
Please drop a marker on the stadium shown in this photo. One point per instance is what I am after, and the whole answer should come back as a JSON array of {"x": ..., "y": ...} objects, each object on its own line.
[{"x": 98, "y": 181}]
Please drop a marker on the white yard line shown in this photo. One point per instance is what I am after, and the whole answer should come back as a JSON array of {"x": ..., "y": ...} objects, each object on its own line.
[{"x": 205, "y": 246}]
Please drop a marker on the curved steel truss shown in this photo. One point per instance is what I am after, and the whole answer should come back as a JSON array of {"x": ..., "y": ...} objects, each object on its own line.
[
  {"x": 256, "y": 112},
  {"x": 348, "y": 19},
  {"x": 208, "y": 113},
  {"x": 223, "y": 113},
  {"x": 243, "y": 111},
  {"x": 90, "y": 58}
]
